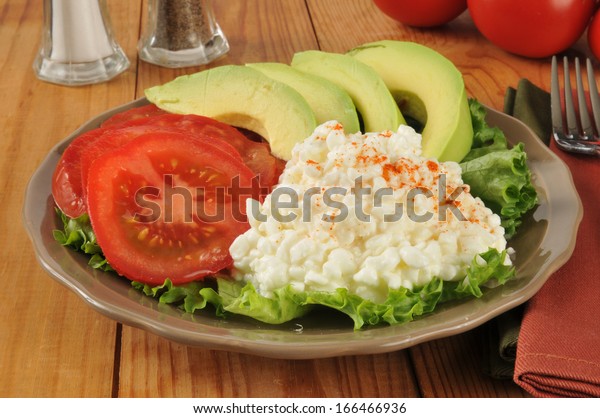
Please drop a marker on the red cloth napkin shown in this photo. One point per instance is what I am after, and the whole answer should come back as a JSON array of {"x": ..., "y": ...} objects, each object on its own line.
[{"x": 558, "y": 354}]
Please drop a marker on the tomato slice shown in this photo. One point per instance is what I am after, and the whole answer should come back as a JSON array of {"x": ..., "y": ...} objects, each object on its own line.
[
  {"x": 67, "y": 187},
  {"x": 134, "y": 114},
  {"x": 256, "y": 155},
  {"x": 112, "y": 139},
  {"x": 164, "y": 206},
  {"x": 70, "y": 177}
]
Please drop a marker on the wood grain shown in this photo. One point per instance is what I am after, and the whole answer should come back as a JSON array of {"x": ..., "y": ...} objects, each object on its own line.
[{"x": 152, "y": 366}]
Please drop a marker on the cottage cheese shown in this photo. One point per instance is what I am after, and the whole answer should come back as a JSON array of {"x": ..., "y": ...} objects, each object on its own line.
[{"x": 364, "y": 212}]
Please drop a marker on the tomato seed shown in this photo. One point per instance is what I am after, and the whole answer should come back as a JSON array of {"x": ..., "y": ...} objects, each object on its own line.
[
  {"x": 143, "y": 234},
  {"x": 193, "y": 238}
]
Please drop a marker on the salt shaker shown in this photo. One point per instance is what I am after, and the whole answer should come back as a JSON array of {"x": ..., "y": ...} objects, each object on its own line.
[
  {"x": 181, "y": 33},
  {"x": 77, "y": 44}
]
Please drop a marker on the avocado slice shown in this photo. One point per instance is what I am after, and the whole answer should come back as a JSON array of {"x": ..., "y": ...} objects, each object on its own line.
[
  {"x": 242, "y": 97},
  {"x": 429, "y": 88},
  {"x": 327, "y": 100},
  {"x": 369, "y": 93}
]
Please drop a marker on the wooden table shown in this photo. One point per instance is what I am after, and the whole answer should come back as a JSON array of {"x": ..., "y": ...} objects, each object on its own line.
[{"x": 53, "y": 345}]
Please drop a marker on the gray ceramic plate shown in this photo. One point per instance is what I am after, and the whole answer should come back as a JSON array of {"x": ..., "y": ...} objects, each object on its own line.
[{"x": 543, "y": 244}]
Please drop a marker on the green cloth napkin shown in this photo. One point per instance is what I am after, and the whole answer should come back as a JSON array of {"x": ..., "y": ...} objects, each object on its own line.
[
  {"x": 531, "y": 105},
  {"x": 502, "y": 334}
]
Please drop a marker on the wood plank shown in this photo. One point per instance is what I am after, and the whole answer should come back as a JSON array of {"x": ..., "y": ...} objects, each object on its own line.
[
  {"x": 359, "y": 22},
  {"x": 151, "y": 366},
  {"x": 52, "y": 343}
]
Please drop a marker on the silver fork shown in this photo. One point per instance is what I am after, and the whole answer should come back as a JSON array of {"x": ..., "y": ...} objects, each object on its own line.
[{"x": 580, "y": 137}]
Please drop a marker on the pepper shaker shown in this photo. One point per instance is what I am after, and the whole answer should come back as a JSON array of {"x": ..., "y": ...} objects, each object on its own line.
[
  {"x": 181, "y": 33},
  {"x": 77, "y": 44}
]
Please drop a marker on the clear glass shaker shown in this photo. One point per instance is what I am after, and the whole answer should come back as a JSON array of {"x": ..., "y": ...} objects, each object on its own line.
[
  {"x": 77, "y": 44},
  {"x": 181, "y": 33}
]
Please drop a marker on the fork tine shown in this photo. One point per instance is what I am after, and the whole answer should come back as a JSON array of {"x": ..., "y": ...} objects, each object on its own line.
[
  {"x": 584, "y": 116},
  {"x": 557, "y": 119},
  {"x": 594, "y": 96},
  {"x": 569, "y": 106},
  {"x": 572, "y": 141}
]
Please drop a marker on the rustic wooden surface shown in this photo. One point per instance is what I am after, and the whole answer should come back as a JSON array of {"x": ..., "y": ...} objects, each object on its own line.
[{"x": 53, "y": 345}]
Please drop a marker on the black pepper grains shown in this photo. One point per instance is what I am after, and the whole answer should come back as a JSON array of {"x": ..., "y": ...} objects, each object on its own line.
[
  {"x": 181, "y": 33},
  {"x": 181, "y": 24}
]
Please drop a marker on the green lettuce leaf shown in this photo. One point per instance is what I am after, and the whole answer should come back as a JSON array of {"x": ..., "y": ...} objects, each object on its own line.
[
  {"x": 497, "y": 174},
  {"x": 242, "y": 298},
  {"x": 190, "y": 297},
  {"x": 402, "y": 305},
  {"x": 486, "y": 269},
  {"x": 485, "y": 138},
  {"x": 77, "y": 233}
]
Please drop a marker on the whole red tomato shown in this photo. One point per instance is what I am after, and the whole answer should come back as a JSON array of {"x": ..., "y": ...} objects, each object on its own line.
[
  {"x": 422, "y": 13},
  {"x": 532, "y": 28},
  {"x": 594, "y": 35}
]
